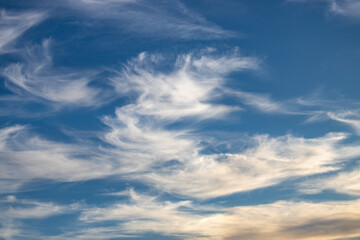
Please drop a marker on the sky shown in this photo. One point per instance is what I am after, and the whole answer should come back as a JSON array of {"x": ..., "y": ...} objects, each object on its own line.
[{"x": 180, "y": 119}]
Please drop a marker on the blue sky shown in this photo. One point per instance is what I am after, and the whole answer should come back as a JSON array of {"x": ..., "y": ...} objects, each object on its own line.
[{"x": 206, "y": 119}]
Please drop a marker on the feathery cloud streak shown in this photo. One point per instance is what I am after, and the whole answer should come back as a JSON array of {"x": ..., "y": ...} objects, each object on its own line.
[
  {"x": 37, "y": 80},
  {"x": 26, "y": 157},
  {"x": 346, "y": 8},
  {"x": 158, "y": 18},
  {"x": 139, "y": 130},
  {"x": 350, "y": 8},
  {"x": 185, "y": 91},
  {"x": 178, "y": 127},
  {"x": 188, "y": 221},
  {"x": 345, "y": 182},
  {"x": 351, "y": 118},
  {"x": 14, "y": 211},
  {"x": 143, "y": 147},
  {"x": 144, "y": 213},
  {"x": 14, "y": 24}
]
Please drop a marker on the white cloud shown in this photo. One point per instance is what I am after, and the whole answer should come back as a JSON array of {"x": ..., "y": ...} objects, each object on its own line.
[
  {"x": 14, "y": 211},
  {"x": 9, "y": 229},
  {"x": 270, "y": 162},
  {"x": 25, "y": 157},
  {"x": 37, "y": 79},
  {"x": 343, "y": 182},
  {"x": 192, "y": 86},
  {"x": 139, "y": 139},
  {"x": 30, "y": 209},
  {"x": 149, "y": 143},
  {"x": 142, "y": 207},
  {"x": 14, "y": 24},
  {"x": 170, "y": 160},
  {"x": 143, "y": 148},
  {"x": 184, "y": 92},
  {"x": 139, "y": 145},
  {"x": 350, "y": 117},
  {"x": 279, "y": 220},
  {"x": 263, "y": 102}
]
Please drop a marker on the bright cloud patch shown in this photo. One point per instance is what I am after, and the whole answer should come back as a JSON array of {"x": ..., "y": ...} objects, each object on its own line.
[
  {"x": 269, "y": 162},
  {"x": 184, "y": 92}
]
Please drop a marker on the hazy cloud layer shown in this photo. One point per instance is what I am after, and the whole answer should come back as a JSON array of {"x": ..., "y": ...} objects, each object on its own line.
[{"x": 159, "y": 18}]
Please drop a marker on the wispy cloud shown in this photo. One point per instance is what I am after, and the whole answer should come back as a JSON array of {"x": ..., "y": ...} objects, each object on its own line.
[
  {"x": 141, "y": 146},
  {"x": 25, "y": 157},
  {"x": 30, "y": 209},
  {"x": 270, "y": 162},
  {"x": 350, "y": 8},
  {"x": 350, "y": 117},
  {"x": 158, "y": 18},
  {"x": 343, "y": 182},
  {"x": 14, "y": 211},
  {"x": 173, "y": 125},
  {"x": 137, "y": 130},
  {"x": 346, "y": 8},
  {"x": 143, "y": 213},
  {"x": 147, "y": 143},
  {"x": 37, "y": 80},
  {"x": 187, "y": 90},
  {"x": 14, "y": 24},
  {"x": 264, "y": 103},
  {"x": 171, "y": 160}
]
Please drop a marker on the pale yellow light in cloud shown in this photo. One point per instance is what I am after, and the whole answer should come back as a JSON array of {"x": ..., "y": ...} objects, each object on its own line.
[{"x": 281, "y": 220}]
